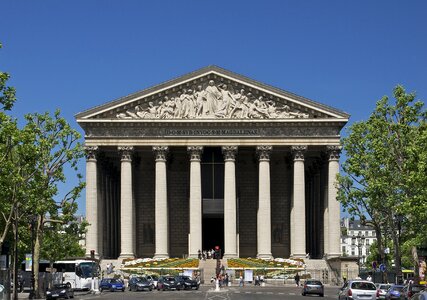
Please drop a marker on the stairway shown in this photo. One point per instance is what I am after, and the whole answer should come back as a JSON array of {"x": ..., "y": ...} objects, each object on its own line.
[{"x": 209, "y": 269}]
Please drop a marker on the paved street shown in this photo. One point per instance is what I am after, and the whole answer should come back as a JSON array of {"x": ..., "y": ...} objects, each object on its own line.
[{"x": 207, "y": 292}]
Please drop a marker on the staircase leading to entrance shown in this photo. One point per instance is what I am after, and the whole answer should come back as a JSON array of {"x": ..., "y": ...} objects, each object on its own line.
[{"x": 209, "y": 268}]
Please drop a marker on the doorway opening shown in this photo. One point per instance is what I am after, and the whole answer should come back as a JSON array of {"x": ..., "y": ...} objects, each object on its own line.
[{"x": 212, "y": 167}]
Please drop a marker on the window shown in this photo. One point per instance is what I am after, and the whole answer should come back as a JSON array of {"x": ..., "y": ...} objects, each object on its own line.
[
  {"x": 367, "y": 242},
  {"x": 352, "y": 252},
  {"x": 343, "y": 250}
]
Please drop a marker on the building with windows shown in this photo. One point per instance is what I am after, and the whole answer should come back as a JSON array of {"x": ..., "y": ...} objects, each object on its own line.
[
  {"x": 212, "y": 158},
  {"x": 356, "y": 238}
]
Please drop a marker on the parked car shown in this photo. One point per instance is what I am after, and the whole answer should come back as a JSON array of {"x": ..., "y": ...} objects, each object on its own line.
[
  {"x": 153, "y": 279},
  {"x": 312, "y": 286},
  {"x": 394, "y": 292},
  {"x": 411, "y": 289},
  {"x": 140, "y": 284},
  {"x": 111, "y": 284},
  {"x": 187, "y": 283},
  {"x": 168, "y": 283},
  {"x": 60, "y": 291},
  {"x": 382, "y": 289},
  {"x": 358, "y": 289}
]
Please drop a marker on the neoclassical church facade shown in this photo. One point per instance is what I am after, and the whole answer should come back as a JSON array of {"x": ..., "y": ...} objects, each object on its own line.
[{"x": 209, "y": 159}]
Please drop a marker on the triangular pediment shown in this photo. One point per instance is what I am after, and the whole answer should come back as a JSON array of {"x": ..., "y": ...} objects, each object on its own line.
[{"x": 212, "y": 93}]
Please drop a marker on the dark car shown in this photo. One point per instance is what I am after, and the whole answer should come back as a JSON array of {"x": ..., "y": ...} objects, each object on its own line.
[
  {"x": 111, "y": 284},
  {"x": 187, "y": 283},
  {"x": 168, "y": 283},
  {"x": 140, "y": 284},
  {"x": 312, "y": 286},
  {"x": 60, "y": 291},
  {"x": 410, "y": 290},
  {"x": 394, "y": 292}
]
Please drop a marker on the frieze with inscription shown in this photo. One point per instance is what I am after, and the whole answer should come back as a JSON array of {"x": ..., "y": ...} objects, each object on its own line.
[
  {"x": 212, "y": 101},
  {"x": 122, "y": 131}
]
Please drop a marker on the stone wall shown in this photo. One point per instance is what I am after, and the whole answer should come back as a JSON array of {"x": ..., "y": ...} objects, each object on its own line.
[{"x": 247, "y": 193}]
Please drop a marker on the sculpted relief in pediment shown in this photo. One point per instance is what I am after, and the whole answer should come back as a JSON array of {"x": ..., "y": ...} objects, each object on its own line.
[{"x": 212, "y": 101}]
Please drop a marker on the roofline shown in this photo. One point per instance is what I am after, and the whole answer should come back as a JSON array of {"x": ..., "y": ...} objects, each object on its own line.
[{"x": 202, "y": 71}]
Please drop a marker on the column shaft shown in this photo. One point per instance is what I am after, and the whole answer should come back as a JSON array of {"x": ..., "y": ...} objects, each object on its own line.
[
  {"x": 126, "y": 204},
  {"x": 92, "y": 217},
  {"x": 161, "y": 204},
  {"x": 264, "y": 204},
  {"x": 333, "y": 204},
  {"x": 195, "y": 201},
  {"x": 230, "y": 207},
  {"x": 298, "y": 227}
]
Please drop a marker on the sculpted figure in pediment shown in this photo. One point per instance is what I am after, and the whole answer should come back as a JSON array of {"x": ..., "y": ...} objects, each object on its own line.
[{"x": 212, "y": 101}]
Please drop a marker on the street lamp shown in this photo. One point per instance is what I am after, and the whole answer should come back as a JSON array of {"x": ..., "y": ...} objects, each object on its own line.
[{"x": 360, "y": 241}]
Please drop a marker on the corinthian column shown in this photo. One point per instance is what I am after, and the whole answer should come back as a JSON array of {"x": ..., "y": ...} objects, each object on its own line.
[
  {"x": 264, "y": 205},
  {"x": 333, "y": 204},
  {"x": 161, "y": 203},
  {"x": 298, "y": 207},
  {"x": 195, "y": 201},
  {"x": 127, "y": 244},
  {"x": 230, "y": 231},
  {"x": 92, "y": 237}
]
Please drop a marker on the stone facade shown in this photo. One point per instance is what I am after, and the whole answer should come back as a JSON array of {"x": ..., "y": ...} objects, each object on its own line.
[{"x": 212, "y": 158}]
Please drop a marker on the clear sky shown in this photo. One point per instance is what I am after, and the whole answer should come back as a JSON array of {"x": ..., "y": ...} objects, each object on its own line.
[{"x": 74, "y": 55}]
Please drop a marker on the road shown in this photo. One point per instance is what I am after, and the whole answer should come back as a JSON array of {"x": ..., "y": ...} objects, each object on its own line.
[{"x": 207, "y": 292}]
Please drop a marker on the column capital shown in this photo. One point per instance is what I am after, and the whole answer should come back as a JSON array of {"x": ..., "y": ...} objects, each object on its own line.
[
  {"x": 229, "y": 152},
  {"x": 298, "y": 152},
  {"x": 264, "y": 152},
  {"x": 160, "y": 152},
  {"x": 91, "y": 152},
  {"x": 334, "y": 152},
  {"x": 125, "y": 152},
  {"x": 195, "y": 152}
]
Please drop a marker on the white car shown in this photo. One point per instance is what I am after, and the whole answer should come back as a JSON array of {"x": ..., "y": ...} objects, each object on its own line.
[{"x": 358, "y": 290}]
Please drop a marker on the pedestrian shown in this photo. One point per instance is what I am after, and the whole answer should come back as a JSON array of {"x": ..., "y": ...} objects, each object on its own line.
[
  {"x": 297, "y": 278},
  {"x": 199, "y": 254},
  {"x": 369, "y": 278},
  {"x": 241, "y": 281}
]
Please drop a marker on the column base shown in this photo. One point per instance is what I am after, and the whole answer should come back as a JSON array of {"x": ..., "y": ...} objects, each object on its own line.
[
  {"x": 332, "y": 255},
  {"x": 299, "y": 255},
  {"x": 193, "y": 255},
  {"x": 230, "y": 255},
  {"x": 157, "y": 255},
  {"x": 126, "y": 255},
  {"x": 265, "y": 256}
]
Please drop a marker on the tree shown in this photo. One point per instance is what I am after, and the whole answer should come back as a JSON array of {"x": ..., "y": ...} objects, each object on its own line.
[
  {"x": 56, "y": 146},
  {"x": 385, "y": 180}
]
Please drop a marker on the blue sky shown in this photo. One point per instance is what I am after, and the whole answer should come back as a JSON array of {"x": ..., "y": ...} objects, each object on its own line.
[{"x": 74, "y": 55}]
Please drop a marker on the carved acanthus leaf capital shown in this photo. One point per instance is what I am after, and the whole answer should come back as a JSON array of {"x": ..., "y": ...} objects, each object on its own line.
[
  {"x": 264, "y": 152},
  {"x": 195, "y": 152},
  {"x": 334, "y": 152},
  {"x": 161, "y": 152},
  {"x": 229, "y": 152},
  {"x": 91, "y": 152},
  {"x": 125, "y": 152},
  {"x": 298, "y": 152}
]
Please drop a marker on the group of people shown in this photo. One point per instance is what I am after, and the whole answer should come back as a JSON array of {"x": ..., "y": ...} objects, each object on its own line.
[
  {"x": 223, "y": 279},
  {"x": 212, "y": 101},
  {"x": 207, "y": 254}
]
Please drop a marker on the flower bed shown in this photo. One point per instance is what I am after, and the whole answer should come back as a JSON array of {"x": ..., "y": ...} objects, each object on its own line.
[
  {"x": 161, "y": 263},
  {"x": 262, "y": 263}
]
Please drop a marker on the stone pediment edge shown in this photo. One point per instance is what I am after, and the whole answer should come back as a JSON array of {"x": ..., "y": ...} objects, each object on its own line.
[{"x": 203, "y": 72}]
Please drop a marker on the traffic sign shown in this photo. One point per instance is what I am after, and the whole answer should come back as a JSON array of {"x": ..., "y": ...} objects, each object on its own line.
[{"x": 382, "y": 268}]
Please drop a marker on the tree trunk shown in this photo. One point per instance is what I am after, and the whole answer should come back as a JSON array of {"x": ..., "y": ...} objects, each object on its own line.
[
  {"x": 36, "y": 258},
  {"x": 397, "y": 257},
  {"x": 381, "y": 246}
]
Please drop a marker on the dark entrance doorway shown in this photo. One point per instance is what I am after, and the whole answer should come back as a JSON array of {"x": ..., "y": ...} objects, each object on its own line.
[
  {"x": 213, "y": 233},
  {"x": 212, "y": 167}
]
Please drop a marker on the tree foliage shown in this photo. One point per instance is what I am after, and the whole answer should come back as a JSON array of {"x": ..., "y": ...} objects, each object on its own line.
[{"x": 385, "y": 180}]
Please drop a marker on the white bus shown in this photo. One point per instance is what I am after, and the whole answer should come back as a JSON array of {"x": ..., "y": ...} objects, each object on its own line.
[{"x": 77, "y": 273}]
